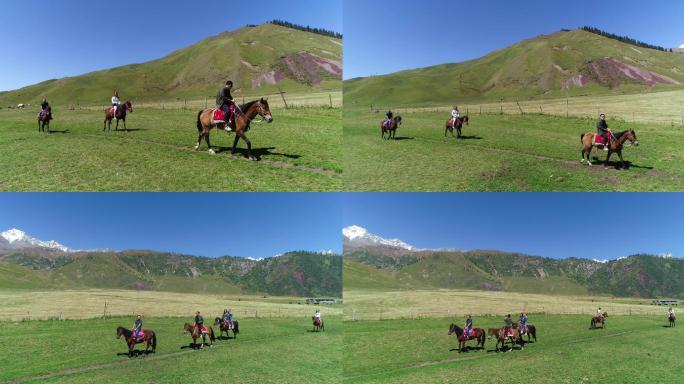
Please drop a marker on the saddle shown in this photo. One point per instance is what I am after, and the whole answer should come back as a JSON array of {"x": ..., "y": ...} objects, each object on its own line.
[
  {"x": 204, "y": 328},
  {"x": 218, "y": 117},
  {"x": 228, "y": 324},
  {"x": 387, "y": 123},
  {"x": 599, "y": 141},
  {"x": 43, "y": 114}
]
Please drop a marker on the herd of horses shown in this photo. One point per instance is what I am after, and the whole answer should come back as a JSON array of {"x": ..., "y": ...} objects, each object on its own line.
[
  {"x": 149, "y": 337},
  {"x": 616, "y": 143},
  {"x": 244, "y": 115}
]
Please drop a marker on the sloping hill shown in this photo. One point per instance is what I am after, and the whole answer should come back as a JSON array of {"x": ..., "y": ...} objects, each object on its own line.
[
  {"x": 565, "y": 63},
  {"x": 258, "y": 59}
]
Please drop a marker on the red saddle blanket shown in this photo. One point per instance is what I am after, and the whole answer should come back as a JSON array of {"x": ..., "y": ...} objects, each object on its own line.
[
  {"x": 204, "y": 328},
  {"x": 598, "y": 139},
  {"x": 219, "y": 115}
]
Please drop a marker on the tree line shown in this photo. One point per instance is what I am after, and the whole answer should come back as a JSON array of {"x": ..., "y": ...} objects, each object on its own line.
[
  {"x": 624, "y": 39},
  {"x": 318, "y": 31}
]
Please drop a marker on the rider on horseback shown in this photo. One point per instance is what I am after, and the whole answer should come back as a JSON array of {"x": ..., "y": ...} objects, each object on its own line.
[
  {"x": 603, "y": 130},
  {"x": 228, "y": 318},
  {"x": 508, "y": 325},
  {"x": 468, "y": 327},
  {"x": 224, "y": 102},
  {"x": 599, "y": 313},
  {"x": 317, "y": 315},
  {"x": 137, "y": 328},
  {"x": 389, "y": 116},
  {"x": 522, "y": 323},
  {"x": 670, "y": 313},
  {"x": 455, "y": 114},
  {"x": 116, "y": 102},
  {"x": 199, "y": 322},
  {"x": 45, "y": 108}
]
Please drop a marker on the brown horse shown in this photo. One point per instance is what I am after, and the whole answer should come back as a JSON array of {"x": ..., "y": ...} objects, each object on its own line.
[
  {"x": 318, "y": 324},
  {"x": 531, "y": 331},
  {"x": 478, "y": 335},
  {"x": 225, "y": 327},
  {"x": 390, "y": 127},
  {"x": 457, "y": 124},
  {"x": 148, "y": 337},
  {"x": 596, "y": 320},
  {"x": 44, "y": 118},
  {"x": 196, "y": 334},
  {"x": 119, "y": 115},
  {"x": 673, "y": 320},
  {"x": 501, "y": 338},
  {"x": 616, "y": 145},
  {"x": 241, "y": 124}
]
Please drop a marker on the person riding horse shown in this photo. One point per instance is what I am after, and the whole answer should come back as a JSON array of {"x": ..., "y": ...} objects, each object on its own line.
[
  {"x": 455, "y": 115},
  {"x": 389, "y": 116},
  {"x": 137, "y": 328},
  {"x": 228, "y": 318},
  {"x": 599, "y": 313},
  {"x": 670, "y": 313},
  {"x": 199, "y": 322},
  {"x": 45, "y": 110},
  {"x": 224, "y": 102},
  {"x": 508, "y": 325},
  {"x": 317, "y": 315},
  {"x": 522, "y": 323},
  {"x": 603, "y": 130},
  {"x": 468, "y": 327},
  {"x": 116, "y": 102}
]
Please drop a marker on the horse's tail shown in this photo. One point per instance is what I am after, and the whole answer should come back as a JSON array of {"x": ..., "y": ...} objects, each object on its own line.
[
  {"x": 236, "y": 328},
  {"x": 582, "y": 138},
  {"x": 212, "y": 337},
  {"x": 199, "y": 121},
  {"x": 154, "y": 341}
]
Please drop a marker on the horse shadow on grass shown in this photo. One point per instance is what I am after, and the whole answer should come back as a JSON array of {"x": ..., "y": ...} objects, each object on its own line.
[
  {"x": 196, "y": 346},
  {"x": 506, "y": 348},
  {"x": 136, "y": 353},
  {"x": 259, "y": 153},
  {"x": 58, "y": 131},
  {"x": 129, "y": 130},
  {"x": 617, "y": 166},
  {"x": 467, "y": 349},
  {"x": 472, "y": 137},
  {"x": 402, "y": 138},
  {"x": 225, "y": 338}
]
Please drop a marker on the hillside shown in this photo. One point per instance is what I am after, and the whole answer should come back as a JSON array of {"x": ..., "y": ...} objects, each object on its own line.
[
  {"x": 382, "y": 266},
  {"x": 564, "y": 63},
  {"x": 259, "y": 59},
  {"x": 293, "y": 274}
]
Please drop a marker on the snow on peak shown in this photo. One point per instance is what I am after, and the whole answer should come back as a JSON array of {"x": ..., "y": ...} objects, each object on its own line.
[
  {"x": 19, "y": 238},
  {"x": 600, "y": 261},
  {"x": 360, "y": 234}
]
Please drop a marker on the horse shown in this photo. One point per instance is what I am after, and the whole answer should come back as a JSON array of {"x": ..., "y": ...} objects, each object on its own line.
[
  {"x": 196, "y": 334},
  {"x": 672, "y": 319},
  {"x": 148, "y": 337},
  {"x": 501, "y": 338},
  {"x": 615, "y": 146},
  {"x": 456, "y": 123},
  {"x": 390, "y": 127},
  {"x": 318, "y": 324},
  {"x": 478, "y": 335},
  {"x": 119, "y": 115},
  {"x": 596, "y": 320},
  {"x": 44, "y": 118},
  {"x": 531, "y": 332},
  {"x": 241, "y": 124},
  {"x": 223, "y": 327}
]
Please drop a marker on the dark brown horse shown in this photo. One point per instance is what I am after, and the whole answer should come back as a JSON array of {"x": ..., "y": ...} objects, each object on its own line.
[
  {"x": 318, "y": 324},
  {"x": 390, "y": 126},
  {"x": 225, "y": 327},
  {"x": 502, "y": 338},
  {"x": 596, "y": 320},
  {"x": 196, "y": 334},
  {"x": 478, "y": 335},
  {"x": 616, "y": 144},
  {"x": 673, "y": 320},
  {"x": 457, "y": 124},
  {"x": 241, "y": 124},
  {"x": 120, "y": 114},
  {"x": 531, "y": 331},
  {"x": 44, "y": 118},
  {"x": 148, "y": 337}
]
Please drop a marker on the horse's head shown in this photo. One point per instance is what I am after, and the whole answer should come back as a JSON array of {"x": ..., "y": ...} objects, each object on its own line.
[
  {"x": 605, "y": 314},
  {"x": 466, "y": 120},
  {"x": 187, "y": 328},
  {"x": 398, "y": 119},
  {"x": 631, "y": 136},
  {"x": 119, "y": 332},
  {"x": 264, "y": 110},
  {"x": 128, "y": 106},
  {"x": 492, "y": 332},
  {"x": 453, "y": 328},
  {"x": 217, "y": 321}
]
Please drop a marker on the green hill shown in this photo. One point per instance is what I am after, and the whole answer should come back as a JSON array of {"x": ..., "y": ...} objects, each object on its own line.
[
  {"x": 565, "y": 63},
  {"x": 259, "y": 59},
  {"x": 635, "y": 276},
  {"x": 293, "y": 274}
]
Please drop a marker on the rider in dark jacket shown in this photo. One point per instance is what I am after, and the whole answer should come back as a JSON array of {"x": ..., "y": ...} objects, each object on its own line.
[
  {"x": 199, "y": 322},
  {"x": 45, "y": 108},
  {"x": 508, "y": 325},
  {"x": 224, "y": 101},
  {"x": 603, "y": 130},
  {"x": 137, "y": 328}
]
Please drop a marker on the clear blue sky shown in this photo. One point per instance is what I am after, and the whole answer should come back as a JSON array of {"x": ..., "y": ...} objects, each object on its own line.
[
  {"x": 41, "y": 40},
  {"x": 553, "y": 225},
  {"x": 384, "y": 36},
  {"x": 249, "y": 224}
]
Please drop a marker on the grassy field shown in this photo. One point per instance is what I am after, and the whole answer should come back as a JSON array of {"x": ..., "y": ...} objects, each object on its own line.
[
  {"x": 503, "y": 153},
  {"x": 280, "y": 350},
  {"x": 631, "y": 349},
  {"x": 300, "y": 151},
  {"x": 87, "y": 304}
]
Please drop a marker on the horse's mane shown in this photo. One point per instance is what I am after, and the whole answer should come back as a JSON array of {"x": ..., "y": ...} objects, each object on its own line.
[
  {"x": 246, "y": 107},
  {"x": 125, "y": 331}
]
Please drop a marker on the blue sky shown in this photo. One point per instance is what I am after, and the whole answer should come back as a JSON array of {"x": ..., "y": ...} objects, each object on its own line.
[
  {"x": 554, "y": 225},
  {"x": 249, "y": 224},
  {"x": 384, "y": 36},
  {"x": 41, "y": 40}
]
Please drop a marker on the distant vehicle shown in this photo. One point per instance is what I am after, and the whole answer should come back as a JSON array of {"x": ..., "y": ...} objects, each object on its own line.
[
  {"x": 664, "y": 302},
  {"x": 326, "y": 301}
]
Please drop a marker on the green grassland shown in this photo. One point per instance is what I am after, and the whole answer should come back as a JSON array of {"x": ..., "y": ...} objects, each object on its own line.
[
  {"x": 282, "y": 350},
  {"x": 631, "y": 349},
  {"x": 300, "y": 151},
  {"x": 503, "y": 153}
]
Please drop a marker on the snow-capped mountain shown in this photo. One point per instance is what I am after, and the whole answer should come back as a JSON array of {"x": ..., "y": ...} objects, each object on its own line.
[
  {"x": 360, "y": 236},
  {"x": 18, "y": 239}
]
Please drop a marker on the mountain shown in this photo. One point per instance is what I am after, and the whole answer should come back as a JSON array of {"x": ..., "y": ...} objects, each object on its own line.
[
  {"x": 571, "y": 63},
  {"x": 259, "y": 59},
  {"x": 32, "y": 266},
  {"x": 356, "y": 235},
  {"x": 370, "y": 266}
]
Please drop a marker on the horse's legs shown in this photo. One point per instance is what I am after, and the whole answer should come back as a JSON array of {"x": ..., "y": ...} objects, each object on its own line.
[
  {"x": 249, "y": 146},
  {"x": 622, "y": 161},
  {"x": 199, "y": 139},
  {"x": 206, "y": 138},
  {"x": 610, "y": 153},
  {"x": 235, "y": 143}
]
